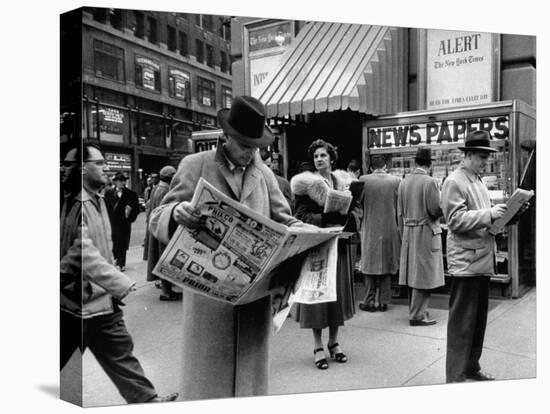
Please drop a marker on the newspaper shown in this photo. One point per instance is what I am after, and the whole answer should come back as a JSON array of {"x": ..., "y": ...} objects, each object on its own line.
[
  {"x": 337, "y": 201},
  {"x": 239, "y": 256},
  {"x": 513, "y": 205}
]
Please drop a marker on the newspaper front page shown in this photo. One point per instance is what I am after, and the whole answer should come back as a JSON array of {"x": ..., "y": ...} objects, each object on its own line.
[{"x": 237, "y": 257}]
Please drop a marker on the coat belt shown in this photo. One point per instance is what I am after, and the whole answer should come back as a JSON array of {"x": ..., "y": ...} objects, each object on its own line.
[{"x": 414, "y": 222}]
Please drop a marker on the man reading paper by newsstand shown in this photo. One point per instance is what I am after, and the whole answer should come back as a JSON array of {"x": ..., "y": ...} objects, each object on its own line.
[{"x": 225, "y": 347}]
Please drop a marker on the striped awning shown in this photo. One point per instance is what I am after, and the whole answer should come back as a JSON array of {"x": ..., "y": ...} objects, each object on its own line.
[{"x": 336, "y": 66}]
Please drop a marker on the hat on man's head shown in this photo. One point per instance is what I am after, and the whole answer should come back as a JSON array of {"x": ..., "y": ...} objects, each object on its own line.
[
  {"x": 167, "y": 171},
  {"x": 245, "y": 122},
  {"x": 478, "y": 141},
  {"x": 424, "y": 154},
  {"x": 119, "y": 176}
]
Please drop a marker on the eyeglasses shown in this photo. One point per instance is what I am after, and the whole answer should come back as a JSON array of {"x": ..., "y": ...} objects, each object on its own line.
[
  {"x": 67, "y": 163},
  {"x": 99, "y": 163}
]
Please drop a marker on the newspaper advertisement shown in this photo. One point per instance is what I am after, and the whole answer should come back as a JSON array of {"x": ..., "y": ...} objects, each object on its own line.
[
  {"x": 234, "y": 257},
  {"x": 337, "y": 201},
  {"x": 513, "y": 205}
]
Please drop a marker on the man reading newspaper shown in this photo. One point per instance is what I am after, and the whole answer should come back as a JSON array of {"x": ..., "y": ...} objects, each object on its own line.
[{"x": 225, "y": 347}]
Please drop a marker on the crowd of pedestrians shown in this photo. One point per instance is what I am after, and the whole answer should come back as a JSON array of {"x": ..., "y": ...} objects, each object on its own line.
[{"x": 227, "y": 347}]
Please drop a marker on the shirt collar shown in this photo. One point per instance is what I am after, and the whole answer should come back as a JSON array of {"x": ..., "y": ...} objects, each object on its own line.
[
  {"x": 473, "y": 176},
  {"x": 231, "y": 166}
]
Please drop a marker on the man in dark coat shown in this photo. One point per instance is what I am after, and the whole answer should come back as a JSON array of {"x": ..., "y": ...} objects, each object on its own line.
[
  {"x": 421, "y": 263},
  {"x": 123, "y": 206},
  {"x": 154, "y": 247}
]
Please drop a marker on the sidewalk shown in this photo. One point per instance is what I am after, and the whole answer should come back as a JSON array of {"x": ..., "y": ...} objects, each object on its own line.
[{"x": 383, "y": 350}]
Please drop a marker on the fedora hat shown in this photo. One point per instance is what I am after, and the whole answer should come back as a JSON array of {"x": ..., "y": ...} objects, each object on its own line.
[
  {"x": 424, "y": 154},
  {"x": 245, "y": 122},
  {"x": 478, "y": 141},
  {"x": 119, "y": 176}
]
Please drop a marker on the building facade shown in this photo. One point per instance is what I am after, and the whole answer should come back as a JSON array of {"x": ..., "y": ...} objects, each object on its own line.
[{"x": 140, "y": 82}]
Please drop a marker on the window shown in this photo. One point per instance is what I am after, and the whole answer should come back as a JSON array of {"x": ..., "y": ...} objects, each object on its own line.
[
  {"x": 184, "y": 48},
  {"x": 227, "y": 97},
  {"x": 147, "y": 74},
  {"x": 151, "y": 131},
  {"x": 152, "y": 37},
  {"x": 179, "y": 84},
  {"x": 171, "y": 39},
  {"x": 209, "y": 55},
  {"x": 100, "y": 15},
  {"x": 223, "y": 62},
  {"x": 206, "y": 92},
  {"x": 199, "y": 51},
  {"x": 225, "y": 28},
  {"x": 116, "y": 18},
  {"x": 205, "y": 21},
  {"x": 139, "y": 27},
  {"x": 108, "y": 61}
]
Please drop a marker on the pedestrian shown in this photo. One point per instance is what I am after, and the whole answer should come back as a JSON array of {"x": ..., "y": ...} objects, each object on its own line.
[
  {"x": 421, "y": 262},
  {"x": 92, "y": 289},
  {"x": 470, "y": 256},
  {"x": 354, "y": 169},
  {"x": 226, "y": 348},
  {"x": 331, "y": 314},
  {"x": 284, "y": 185},
  {"x": 380, "y": 239},
  {"x": 123, "y": 206},
  {"x": 155, "y": 248}
]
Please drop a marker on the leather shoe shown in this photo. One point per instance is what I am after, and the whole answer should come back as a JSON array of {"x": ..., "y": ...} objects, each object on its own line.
[
  {"x": 383, "y": 307},
  {"x": 480, "y": 376},
  {"x": 166, "y": 398},
  {"x": 422, "y": 322},
  {"x": 366, "y": 308}
]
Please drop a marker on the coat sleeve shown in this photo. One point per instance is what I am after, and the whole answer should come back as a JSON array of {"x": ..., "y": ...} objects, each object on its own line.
[
  {"x": 400, "y": 209},
  {"x": 433, "y": 199},
  {"x": 133, "y": 202},
  {"x": 182, "y": 187},
  {"x": 455, "y": 209},
  {"x": 305, "y": 210},
  {"x": 83, "y": 258},
  {"x": 279, "y": 206}
]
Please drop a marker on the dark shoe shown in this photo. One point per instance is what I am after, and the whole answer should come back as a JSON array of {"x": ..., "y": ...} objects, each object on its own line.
[
  {"x": 480, "y": 376},
  {"x": 422, "y": 322},
  {"x": 320, "y": 363},
  {"x": 383, "y": 308},
  {"x": 166, "y": 398},
  {"x": 122, "y": 268},
  {"x": 367, "y": 308},
  {"x": 338, "y": 356}
]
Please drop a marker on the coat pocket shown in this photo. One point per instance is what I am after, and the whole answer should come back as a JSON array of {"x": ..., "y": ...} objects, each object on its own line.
[{"x": 436, "y": 239}]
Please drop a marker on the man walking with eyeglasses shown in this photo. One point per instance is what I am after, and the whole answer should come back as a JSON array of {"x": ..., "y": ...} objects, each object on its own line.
[{"x": 92, "y": 288}]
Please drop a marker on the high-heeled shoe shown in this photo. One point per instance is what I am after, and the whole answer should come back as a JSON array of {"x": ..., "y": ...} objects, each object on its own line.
[
  {"x": 337, "y": 356},
  {"x": 320, "y": 363}
]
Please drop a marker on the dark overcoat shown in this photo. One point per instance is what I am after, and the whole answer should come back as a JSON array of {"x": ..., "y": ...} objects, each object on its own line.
[
  {"x": 419, "y": 210},
  {"x": 153, "y": 246},
  {"x": 120, "y": 224}
]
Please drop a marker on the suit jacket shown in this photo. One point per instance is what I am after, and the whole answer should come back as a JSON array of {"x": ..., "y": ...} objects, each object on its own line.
[
  {"x": 418, "y": 209},
  {"x": 380, "y": 239},
  {"x": 467, "y": 209},
  {"x": 225, "y": 347},
  {"x": 116, "y": 206}
]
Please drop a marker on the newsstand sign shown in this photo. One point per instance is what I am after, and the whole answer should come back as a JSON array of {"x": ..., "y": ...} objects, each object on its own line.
[{"x": 437, "y": 133}]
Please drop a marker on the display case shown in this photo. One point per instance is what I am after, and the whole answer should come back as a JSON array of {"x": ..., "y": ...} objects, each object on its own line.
[{"x": 511, "y": 124}]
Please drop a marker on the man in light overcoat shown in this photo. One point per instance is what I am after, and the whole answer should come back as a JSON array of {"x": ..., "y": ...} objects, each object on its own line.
[
  {"x": 225, "y": 347},
  {"x": 380, "y": 239},
  {"x": 421, "y": 262}
]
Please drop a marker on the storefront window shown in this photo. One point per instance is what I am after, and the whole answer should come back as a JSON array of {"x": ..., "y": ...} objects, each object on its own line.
[
  {"x": 206, "y": 92},
  {"x": 108, "y": 61},
  {"x": 113, "y": 123},
  {"x": 179, "y": 84},
  {"x": 151, "y": 131},
  {"x": 147, "y": 74}
]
